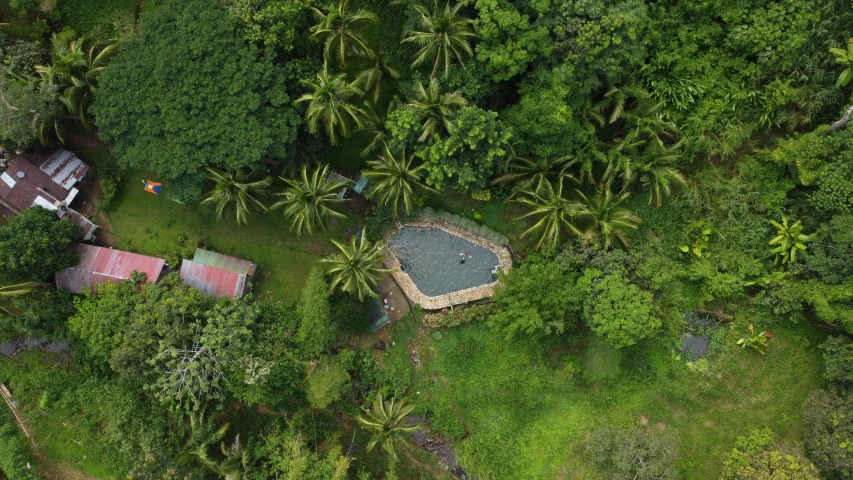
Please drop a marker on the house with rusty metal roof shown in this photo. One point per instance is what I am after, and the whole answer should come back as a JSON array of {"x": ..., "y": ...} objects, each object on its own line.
[
  {"x": 214, "y": 281},
  {"x": 217, "y": 274},
  {"x": 99, "y": 265},
  {"x": 225, "y": 262},
  {"x": 46, "y": 179}
]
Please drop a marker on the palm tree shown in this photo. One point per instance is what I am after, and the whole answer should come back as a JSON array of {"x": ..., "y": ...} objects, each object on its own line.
[
  {"x": 75, "y": 70},
  {"x": 308, "y": 200},
  {"x": 8, "y": 292},
  {"x": 238, "y": 461},
  {"x": 329, "y": 104},
  {"x": 394, "y": 180},
  {"x": 202, "y": 436},
  {"x": 552, "y": 213},
  {"x": 844, "y": 57},
  {"x": 443, "y": 35},
  {"x": 374, "y": 68},
  {"x": 234, "y": 187},
  {"x": 356, "y": 268},
  {"x": 532, "y": 174},
  {"x": 339, "y": 28},
  {"x": 376, "y": 129},
  {"x": 387, "y": 422},
  {"x": 435, "y": 108},
  {"x": 657, "y": 173},
  {"x": 607, "y": 217}
]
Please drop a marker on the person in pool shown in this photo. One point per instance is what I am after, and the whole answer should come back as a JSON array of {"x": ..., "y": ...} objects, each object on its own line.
[{"x": 463, "y": 260}]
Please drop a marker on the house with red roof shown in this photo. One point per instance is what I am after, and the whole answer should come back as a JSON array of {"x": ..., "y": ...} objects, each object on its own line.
[
  {"x": 99, "y": 265},
  {"x": 217, "y": 274}
]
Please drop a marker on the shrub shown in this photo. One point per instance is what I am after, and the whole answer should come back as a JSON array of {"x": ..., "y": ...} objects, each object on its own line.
[
  {"x": 109, "y": 188},
  {"x": 754, "y": 457},
  {"x": 326, "y": 383},
  {"x": 631, "y": 453},
  {"x": 36, "y": 243},
  {"x": 459, "y": 315},
  {"x": 13, "y": 449},
  {"x": 482, "y": 195},
  {"x": 829, "y": 430},
  {"x": 837, "y": 352}
]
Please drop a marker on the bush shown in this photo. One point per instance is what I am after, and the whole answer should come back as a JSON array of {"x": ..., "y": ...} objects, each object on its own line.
[
  {"x": 379, "y": 223},
  {"x": 326, "y": 383},
  {"x": 109, "y": 181},
  {"x": 837, "y": 352},
  {"x": 35, "y": 244},
  {"x": 459, "y": 315},
  {"x": 754, "y": 458},
  {"x": 13, "y": 449},
  {"x": 829, "y": 431},
  {"x": 632, "y": 453},
  {"x": 428, "y": 213}
]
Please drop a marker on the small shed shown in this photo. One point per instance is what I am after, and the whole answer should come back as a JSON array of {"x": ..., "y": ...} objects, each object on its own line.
[
  {"x": 225, "y": 262},
  {"x": 213, "y": 281},
  {"x": 99, "y": 265}
]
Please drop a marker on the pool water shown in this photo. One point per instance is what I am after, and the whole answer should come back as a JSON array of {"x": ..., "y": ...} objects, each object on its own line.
[{"x": 433, "y": 260}]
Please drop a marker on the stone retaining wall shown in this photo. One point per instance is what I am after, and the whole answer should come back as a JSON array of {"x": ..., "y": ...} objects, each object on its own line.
[{"x": 453, "y": 298}]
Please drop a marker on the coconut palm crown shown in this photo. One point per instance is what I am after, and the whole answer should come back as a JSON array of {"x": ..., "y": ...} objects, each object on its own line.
[
  {"x": 309, "y": 200},
  {"x": 374, "y": 69},
  {"x": 75, "y": 70},
  {"x": 7, "y": 292},
  {"x": 356, "y": 268},
  {"x": 329, "y": 104},
  {"x": 340, "y": 30},
  {"x": 436, "y": 109},
  {"x": 443, "y": 35},
  {"x": 532, "y": 174},
  {"x": 234, "y": 187},
  {"x": 607, "y": 217},
  {"x": 386, "y": 422},
  {"x": 394, "y": 181},
  {"x": 553, "y": 214}
]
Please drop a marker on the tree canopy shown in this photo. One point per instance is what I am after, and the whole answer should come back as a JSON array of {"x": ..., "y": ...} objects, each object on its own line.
[
  {"x": 36, "y": 244},
  {"x": 187, "y": 94}
]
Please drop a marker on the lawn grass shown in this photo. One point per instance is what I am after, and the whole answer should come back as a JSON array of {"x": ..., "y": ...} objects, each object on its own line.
[
  {"x": 524, "y": 409},
  {"x": 155, "y": 225}
]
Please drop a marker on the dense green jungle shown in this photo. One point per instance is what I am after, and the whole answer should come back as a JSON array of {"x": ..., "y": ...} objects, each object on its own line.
[{"x": 670, "y": 181}]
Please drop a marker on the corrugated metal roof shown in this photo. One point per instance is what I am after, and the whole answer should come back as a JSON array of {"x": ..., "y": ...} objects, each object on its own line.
[
  {"x": 64, "y": 168},
  {"x": 213, "y": 281},
  {"x": 98, "y": 265},
  {"x": 225, "y": 262}
]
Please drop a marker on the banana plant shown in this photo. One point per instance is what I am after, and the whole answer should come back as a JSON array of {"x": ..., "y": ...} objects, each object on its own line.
[
  {"x": 754, "y": 340},
  {"x": 788, "y": 241},
  {"x": 844, "y": 58}
]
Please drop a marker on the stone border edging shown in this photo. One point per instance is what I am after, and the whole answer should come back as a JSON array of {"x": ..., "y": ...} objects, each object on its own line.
[{"x": 453, "y": 298}]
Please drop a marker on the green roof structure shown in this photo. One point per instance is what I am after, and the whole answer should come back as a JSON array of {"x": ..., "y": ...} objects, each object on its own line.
[{"x": 224, "y": 262}]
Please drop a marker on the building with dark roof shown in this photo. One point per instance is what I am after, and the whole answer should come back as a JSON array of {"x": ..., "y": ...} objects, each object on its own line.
[
  {"x": 214, "y": 281},
  {"x": 99, "y": 265},
  {"x": 45, "y": 179}
]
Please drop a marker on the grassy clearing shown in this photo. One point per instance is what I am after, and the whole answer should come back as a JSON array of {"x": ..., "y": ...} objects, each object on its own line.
[
  {"x": 155, "y": 225},
  {"x": 522, "y": 409}
]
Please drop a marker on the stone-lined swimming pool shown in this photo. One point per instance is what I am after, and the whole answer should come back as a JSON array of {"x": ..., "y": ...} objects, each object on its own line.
[{"x": 432, "y": 258}]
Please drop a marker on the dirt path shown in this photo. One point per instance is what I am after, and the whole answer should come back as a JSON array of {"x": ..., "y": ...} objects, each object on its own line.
[{"x": 47, "y": 468}]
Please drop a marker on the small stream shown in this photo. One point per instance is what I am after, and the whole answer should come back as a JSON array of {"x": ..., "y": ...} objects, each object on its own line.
[
  {"x": 438, "y": 446},
  {"x": 21, "y": 344}
]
